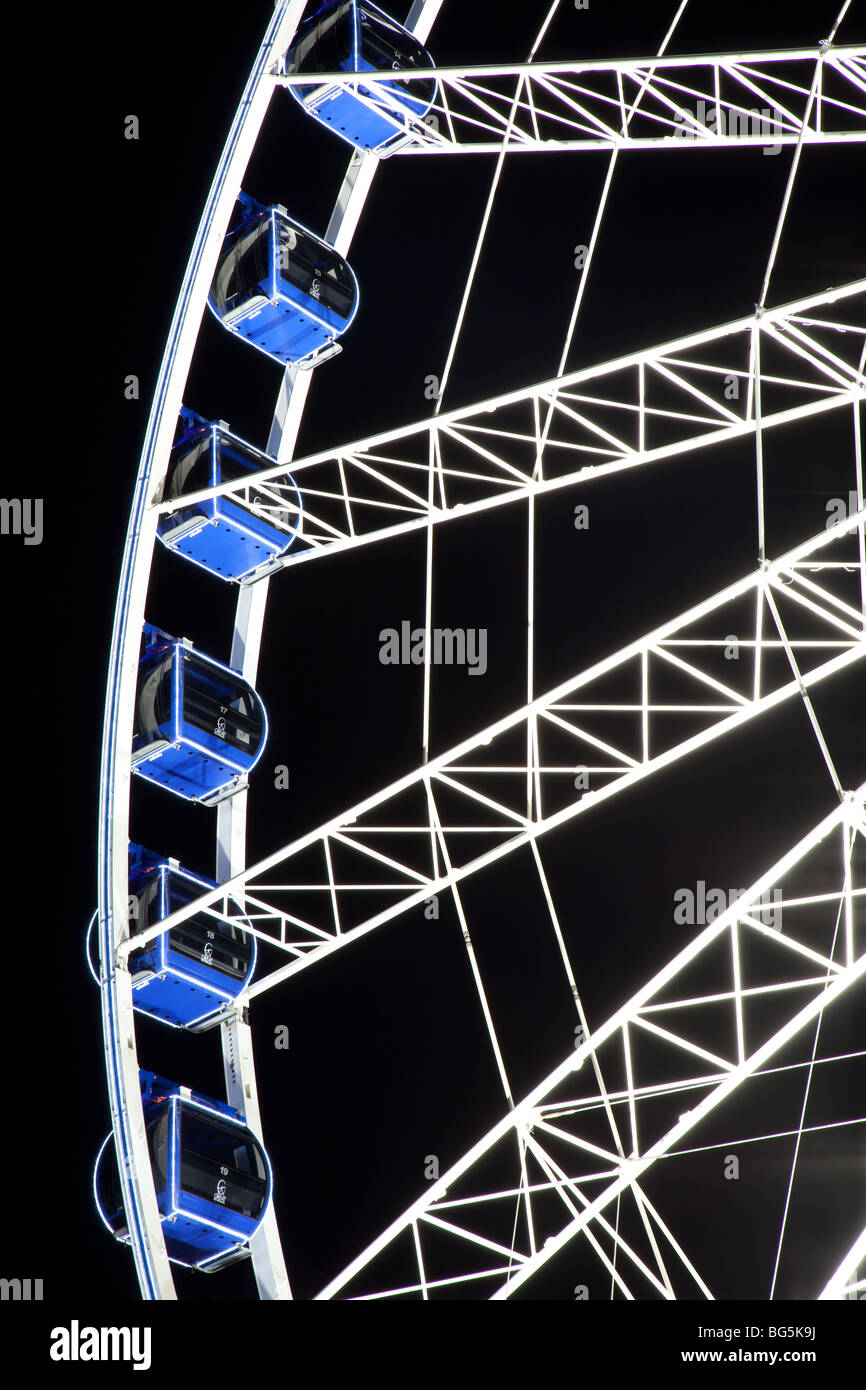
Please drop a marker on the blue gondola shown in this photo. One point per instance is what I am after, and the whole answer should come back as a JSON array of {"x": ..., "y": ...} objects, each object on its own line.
[
  {"x": 357, "y": 37},
  {"x": 188, "y": 975},
  {"x": 285, "y": 290},
  {"x": 211, "y": 1174},
  {"x": 199, "y": 726},
  {"x": 224, "y": 534}
]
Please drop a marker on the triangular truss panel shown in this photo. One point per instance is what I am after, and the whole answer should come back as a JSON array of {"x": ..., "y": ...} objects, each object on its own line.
[
  {"x": 597, "y": 734},
  {"x": 561, "y": 1164},
  {"x": 761, "y": 372},
  {"x": 575, "y": 1160},
  {"x": 759, "y": 99}
]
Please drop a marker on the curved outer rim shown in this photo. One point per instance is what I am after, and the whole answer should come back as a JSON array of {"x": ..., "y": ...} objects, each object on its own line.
[
  {"x": 146, "y": 1236},
  {"x": 152, "y": 1265},
  {"x": 122, "y": 1065}
]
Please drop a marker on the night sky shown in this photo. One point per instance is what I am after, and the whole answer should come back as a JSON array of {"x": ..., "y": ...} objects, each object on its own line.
[{"x": 389, "y": 1059}]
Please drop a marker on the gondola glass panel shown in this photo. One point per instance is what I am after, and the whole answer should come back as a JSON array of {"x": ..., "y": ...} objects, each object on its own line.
[
  {"x": 233, "y": 537},
  {"x": 199, "y": 726},
  {"x": 211, "y": 1176},
  {"x": 355, "y": 37},
  {"x": 190, "y": 973},
  {"x": 283, "y": 289}
]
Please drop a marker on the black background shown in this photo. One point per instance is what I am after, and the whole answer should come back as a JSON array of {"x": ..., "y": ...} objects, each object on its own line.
[{"x": 388, "y": 1059}]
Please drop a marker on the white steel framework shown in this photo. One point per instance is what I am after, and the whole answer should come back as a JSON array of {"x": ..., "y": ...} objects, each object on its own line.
[
  {"x": 549, "y": 1144},
  {"x": 425, "y": 832},
  {"x": 771, "y": 99},
  {"x": 613, "y": 724},
  {"x": 847, "y": 1281},
  {"x": 145, "y": 1230},
  {"x": 771, "y": 368}
]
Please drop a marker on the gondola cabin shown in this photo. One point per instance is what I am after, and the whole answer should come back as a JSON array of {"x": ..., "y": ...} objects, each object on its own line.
[
  {"x": 354, "y": 37},
  {"x": 281, "y": 288},
  {"x": 199, "y": 726},
  {"x": 235, "y": 536},
  {"x": 212, "y": 1176},
  {"x": 188, "y": 975}
]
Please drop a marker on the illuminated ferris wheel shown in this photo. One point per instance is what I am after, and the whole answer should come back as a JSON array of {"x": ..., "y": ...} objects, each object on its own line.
[{"x": 739, "y": 1010}]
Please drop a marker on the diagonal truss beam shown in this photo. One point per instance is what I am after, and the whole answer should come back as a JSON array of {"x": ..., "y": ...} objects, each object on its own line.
[
  {"x": 707, "y": 101},
  {"x": 847, "y": 1281},
  {"x": 818, "y": 964},
  {"x": 611, "y": 724},
  {"x": 638, "y": 409}
]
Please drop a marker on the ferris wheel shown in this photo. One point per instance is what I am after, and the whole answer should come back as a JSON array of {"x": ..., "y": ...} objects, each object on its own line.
[{"x": 759, "y": 1001}]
